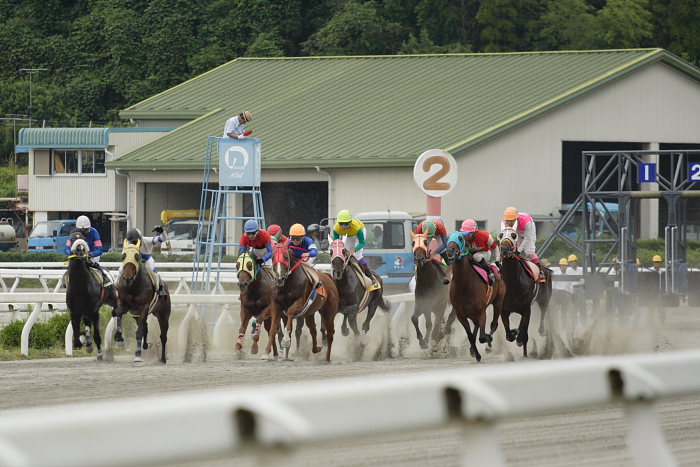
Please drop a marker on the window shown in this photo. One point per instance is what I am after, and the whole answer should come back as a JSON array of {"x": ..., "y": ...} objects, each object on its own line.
[
  {"x": 78, "y": 161},
  {"x": 396, "y": 239}
]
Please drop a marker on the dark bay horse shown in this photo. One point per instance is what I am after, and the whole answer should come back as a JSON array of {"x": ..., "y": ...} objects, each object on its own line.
[
  {"x": 521, "y": 290},
  {"x": 431, "y": 295},
  {"x": 353, "y": 295},
  {"x": 297, "y": 296},
  {"x": 470, "y": 295},
  {"x": 85, "y": 295},
  {"x": 137, "y": 294},
  {"x": 255, "y": 284}
]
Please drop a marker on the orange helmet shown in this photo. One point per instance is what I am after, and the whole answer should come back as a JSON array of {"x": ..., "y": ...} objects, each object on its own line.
[
  {"x": 510, "y": 214},
  {"x": 297, "y": 230}
]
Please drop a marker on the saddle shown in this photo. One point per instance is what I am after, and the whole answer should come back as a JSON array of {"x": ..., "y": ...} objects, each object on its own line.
[
  {"x": 532, "y": 269},
  {"x": 318, "y": 291},
  {"x": 369, "y": 284},
  {"x": 97, "y": 274},
  {"x": 482, "y": 273}
]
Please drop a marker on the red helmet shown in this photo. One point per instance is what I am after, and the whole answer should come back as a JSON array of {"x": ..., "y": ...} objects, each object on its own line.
[{"x": 275, "y": 231}]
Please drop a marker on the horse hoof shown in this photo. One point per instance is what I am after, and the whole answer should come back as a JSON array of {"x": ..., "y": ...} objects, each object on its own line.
[
  {"x": 316, "y": 349},
  {"x": 99, "y": 355},
  {"x": 138, "y": 359},
  {"x": 145, "y": 345},
  {"x": 254, "y": 350},
  {"x": 472, "y": 353},
  {"x": 265, "y": 356},
  {"x": 286, "y": 342},
  {"x": 478, "y": 358},
  {"x": 89, "y": 349},
  {"x": 238, "y": 346},
  {"x": 121, "y": 344},
  {"x": 542, "y": 332},
  {"x": 344, "y": 331},
  {"x": 423, "y": 345},
  {"x": 361, "y": 333}
]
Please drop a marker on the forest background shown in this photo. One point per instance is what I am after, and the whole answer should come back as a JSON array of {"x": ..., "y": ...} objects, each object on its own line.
[{"x": 100, "y": 56}]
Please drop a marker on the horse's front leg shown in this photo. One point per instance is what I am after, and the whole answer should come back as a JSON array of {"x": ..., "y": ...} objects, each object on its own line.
[
  {"x": 287, "y": 341},
  {"x": 311, "y": 324},
  {"x": 98, "y": 336},
  {"x": 344, "y": 327},
  {"x": 523, "y": 336},
  {"x": 140, "y": 335},
  {"x": 272, "y": 332},
  {"x": 85, "y": 336},
  {"x": 511, "y": 334},
  {"x": 414, "y": 320},
  {"x": 75, "y": 324},
  {"x": 245, "y": 317},
  {"x": 298, "y": 330},
  {"x": 118, "y": 313},
  {"x": 256, "y": 334},
  {"x": 371, "y": 310},
  {"x": 352, "y": 319}
]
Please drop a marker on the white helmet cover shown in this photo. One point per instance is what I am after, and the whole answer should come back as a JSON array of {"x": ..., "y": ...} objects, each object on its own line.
[{"x": 83, "y": 222}]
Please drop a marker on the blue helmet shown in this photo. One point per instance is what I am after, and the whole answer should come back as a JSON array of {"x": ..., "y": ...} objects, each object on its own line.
[{"x": 251, "y": 226}]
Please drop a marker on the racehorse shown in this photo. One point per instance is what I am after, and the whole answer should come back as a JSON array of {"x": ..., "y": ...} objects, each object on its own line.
[
  {"x": 354, "y": 297},
  {"x": 255, "y": 284},
  {"x": 521, "y": 290},
  {"x": 85, "y": 294},
  {"x": 470, "y": 295},
  {"x": 431, "y": 294},
  {"x": 297, "y": 294},
  {"x": 137, "y": 293}
]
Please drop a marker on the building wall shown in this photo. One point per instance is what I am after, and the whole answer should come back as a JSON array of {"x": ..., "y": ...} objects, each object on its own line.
[{"x": 523, "y": 167}]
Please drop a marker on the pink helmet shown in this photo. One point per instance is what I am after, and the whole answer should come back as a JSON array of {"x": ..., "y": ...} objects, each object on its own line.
[{"x": 468, "y": 226}]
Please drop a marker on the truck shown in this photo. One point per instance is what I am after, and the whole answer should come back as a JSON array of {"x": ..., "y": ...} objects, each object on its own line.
[
  {"x": 389, "y": 245},
  {"x": 50, "y": 235},
  {"x": 181, "y": 227}
]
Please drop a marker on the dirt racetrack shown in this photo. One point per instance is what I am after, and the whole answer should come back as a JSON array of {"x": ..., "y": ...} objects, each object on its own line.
[{"x": 594, "y": 437}]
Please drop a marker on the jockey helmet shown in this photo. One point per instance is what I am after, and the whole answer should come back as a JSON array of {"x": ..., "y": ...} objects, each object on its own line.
[
  {"x": 133, "y": 236},
  {"x": 573, "y": 258},
  {"x": 83, "y": 222},
  {"x": 251, "y": 226},
  {"x": 469, "y": 226},
  {"x": 344, "y": 216},
  {"x": 429, "y": 228},
  {"x": 639, "y": 263},
  {"x": 297, "y": 230},
  {"x": 275, "y": 232},
  {"x": 510, "y": 214},
  {"x": 656, "y": 259},
  {"x": 563, "y": 262}
]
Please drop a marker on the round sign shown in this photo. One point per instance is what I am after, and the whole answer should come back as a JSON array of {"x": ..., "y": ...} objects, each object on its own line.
[{"x": 435, "y": 172}]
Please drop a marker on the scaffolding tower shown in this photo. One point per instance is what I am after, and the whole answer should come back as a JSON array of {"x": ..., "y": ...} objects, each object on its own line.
[
  {"x": 231, "y": 169},
  {"x": 606, "y": 237}
]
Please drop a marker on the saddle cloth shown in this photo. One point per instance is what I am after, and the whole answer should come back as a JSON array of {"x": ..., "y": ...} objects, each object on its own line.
[
  {"x": 95, "y": 273},
  {"x": 369, "y": 284},
  {"x": 532, "y": 269},
  {"x": 482, "y": 272}
]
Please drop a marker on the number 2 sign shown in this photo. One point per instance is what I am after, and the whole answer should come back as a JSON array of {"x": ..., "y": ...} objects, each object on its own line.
[
  {"x": 435, "y": 172},
  {"x": 693, "y": 171}
]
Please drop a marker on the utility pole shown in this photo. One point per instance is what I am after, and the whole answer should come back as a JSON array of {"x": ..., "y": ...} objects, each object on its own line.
[
  {"x": 30, "y": 72},
  {"x": 14, "y": 118}
]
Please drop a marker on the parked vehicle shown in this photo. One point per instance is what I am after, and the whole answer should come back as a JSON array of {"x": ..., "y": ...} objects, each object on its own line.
[
  {"x": 8, "y": 237},
  {"x": 50, "y": 235},
  {"x": 389, "y": 247},
  {"x": 181, "y": 226}
]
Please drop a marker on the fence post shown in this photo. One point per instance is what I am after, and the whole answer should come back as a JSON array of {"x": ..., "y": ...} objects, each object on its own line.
[{"x": 27, "y": 328}]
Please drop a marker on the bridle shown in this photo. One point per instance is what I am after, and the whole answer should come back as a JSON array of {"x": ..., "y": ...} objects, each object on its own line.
[
  {"x": 338, "y": 251},
  {"x": 131, "y": 255},
  {"x": 245, "y": 263},
  {"x": 507, "y": 239}
]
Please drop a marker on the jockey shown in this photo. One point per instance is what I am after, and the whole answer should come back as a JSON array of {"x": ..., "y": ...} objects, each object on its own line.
[
  {"x": 134, "y": 236},
  {"x": 300, "y": 245},
  {"x": 276, "y": 236},
  {"x": 525, "y": 228},
  {"x": 92, "y": 237},
  {"x": 354, "y": 230},
  {"x": 480, "y": 244},
  {"x": 259, "y": 242},
  {"x": 435, "y": 228}
]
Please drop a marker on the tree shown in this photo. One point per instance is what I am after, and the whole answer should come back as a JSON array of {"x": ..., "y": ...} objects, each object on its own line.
[
  {"x": 675, "y": 27},
  {"x": 266, "y": 45},
  {"x": 356, "y": 30},
  {"x": 567, "y": 25},
  {"x": 624, "y": 24},
  {"x": 509, "y": 25},
  {"x": 449, "y": 21}
]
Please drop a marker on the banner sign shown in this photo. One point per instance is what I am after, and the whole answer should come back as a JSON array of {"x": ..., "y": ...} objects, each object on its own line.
[{"x": 239, "y": 162}]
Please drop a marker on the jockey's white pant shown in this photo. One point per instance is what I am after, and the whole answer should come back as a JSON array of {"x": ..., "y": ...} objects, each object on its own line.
[
  {"x": 482, "y": 255},
  {"x": 350, "y": 243},
  {"x": 526, "y": 245}
]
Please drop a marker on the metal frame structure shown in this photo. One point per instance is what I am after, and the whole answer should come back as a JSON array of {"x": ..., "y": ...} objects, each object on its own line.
[
  {"x": 213, "y": 215},
  {"x": 618, "y": 233}
]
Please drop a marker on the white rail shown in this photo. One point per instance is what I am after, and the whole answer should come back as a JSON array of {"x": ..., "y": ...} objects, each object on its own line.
[
  {"x": 230, "y": 302},
  {"x": 276, "y": 419}
]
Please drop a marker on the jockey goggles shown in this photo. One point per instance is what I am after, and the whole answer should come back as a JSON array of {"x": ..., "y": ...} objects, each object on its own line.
[
  {"x": 252, "y": 234},
  {"x": 344, "y": 225},
  {"x": 297, "y": 238}
]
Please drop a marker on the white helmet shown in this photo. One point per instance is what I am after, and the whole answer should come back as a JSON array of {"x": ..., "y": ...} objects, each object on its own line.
[{"x": 83, "y": 222}]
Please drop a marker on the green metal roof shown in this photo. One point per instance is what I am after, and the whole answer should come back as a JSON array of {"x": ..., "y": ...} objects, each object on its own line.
[
  {"x": 376, "y": 110},
  {"x": 64, "y": 137}
]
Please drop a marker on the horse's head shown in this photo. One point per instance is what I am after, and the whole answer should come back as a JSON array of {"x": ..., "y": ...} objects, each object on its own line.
[
  {"x": 131, "y": 261},
  {"x": 247, "y": 271},
  {"x": 420, "y": 248},
  {"x": 507, "y": 240},
  {"x": 339, "y": 259},
  {"x": 281, "y": 263},
  {"x": 79, "y": 247},
  {"x": 455, "y": 245}
]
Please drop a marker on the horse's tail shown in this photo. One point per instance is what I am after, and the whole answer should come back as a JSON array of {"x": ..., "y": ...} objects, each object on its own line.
[{"x": 383, "y": 304}]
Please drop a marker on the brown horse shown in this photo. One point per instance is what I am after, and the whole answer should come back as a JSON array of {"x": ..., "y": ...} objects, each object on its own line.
[
  {"x": 521, "y": 290},
  {"x": 470, "y": 295},
  {"x": 431, "y": 294},
  {"x": 255, "y": 284},
  {"x": 353, "y": 298},
  {"x": 136, "y": 293},
  {"x": 297, "y": 296}
]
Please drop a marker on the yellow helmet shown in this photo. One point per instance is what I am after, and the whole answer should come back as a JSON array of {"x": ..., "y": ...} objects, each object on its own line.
[
  {"x": 563, "y": 262},
  {"x": 573, "y": 258},
  {"x": 656, "y": 259},
  {"x": 639, "y": 263},
  {"x": 297, "y": 230},
  {"x": 344, "y": 216},
  {"x": 510, "y": 214}
]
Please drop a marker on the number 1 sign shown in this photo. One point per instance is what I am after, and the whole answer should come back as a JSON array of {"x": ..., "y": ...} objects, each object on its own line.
[{"x": 435, "y": 172}]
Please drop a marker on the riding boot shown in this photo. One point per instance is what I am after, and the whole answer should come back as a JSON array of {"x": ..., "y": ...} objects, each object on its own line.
[
  {"x": 365, "y": 269},
  {"x": 445, "y": 280},
  {"x": 488, "y": 270},
  {"x": 161, "y": 289}
]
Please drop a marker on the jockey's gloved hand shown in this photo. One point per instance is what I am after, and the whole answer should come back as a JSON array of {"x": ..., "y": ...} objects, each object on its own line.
[
  {"x": 498, "y": 264},
  {"x": 158, "y": 229},
  {"x": 260, "y": 261}
]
